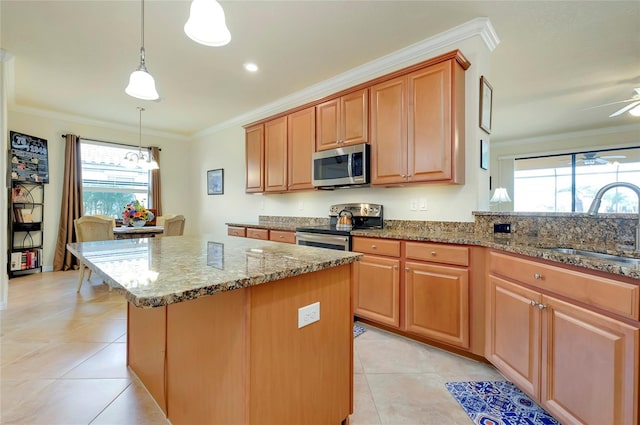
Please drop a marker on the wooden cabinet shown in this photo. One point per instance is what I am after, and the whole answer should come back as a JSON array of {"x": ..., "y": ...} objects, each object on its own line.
[
  {"x": 254, "y": 154},
  {"x": 301, "y": 144},
  {"x": 437, "y": 302},
  {"x": 428, "y": 299},
  {"x": 579, "y": 363},
  {"x": 417, "y": 126},
  {"x": 343, "y": 121},
  {"x": 275, "y": 158},
  {"x": 282, "y": 236}
]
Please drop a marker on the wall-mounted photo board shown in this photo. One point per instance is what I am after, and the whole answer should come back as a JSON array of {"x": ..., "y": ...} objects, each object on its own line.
[{"x": 28, "y": 158}]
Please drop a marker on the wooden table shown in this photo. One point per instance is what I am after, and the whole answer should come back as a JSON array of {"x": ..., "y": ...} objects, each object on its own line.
[{"x": 127, "y": 232}]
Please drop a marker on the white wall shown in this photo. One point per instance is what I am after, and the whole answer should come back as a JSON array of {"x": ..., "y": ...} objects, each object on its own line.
[
  {"x": 174, "y": 161},
  {"x": 503, "y": 154},
  {"x": 225, "y": 149},
  {"x": 4, "y": 135}
]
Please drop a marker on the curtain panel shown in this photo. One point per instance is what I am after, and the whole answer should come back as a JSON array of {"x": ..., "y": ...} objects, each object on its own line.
[
  {"x": 156, "y": 199},
  {"x": 71, "y": 205}
]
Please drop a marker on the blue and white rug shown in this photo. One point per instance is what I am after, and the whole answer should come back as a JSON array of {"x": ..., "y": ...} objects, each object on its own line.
[
  {"x": 358, "y": 330},
  {"x": 498, "y": 403}
]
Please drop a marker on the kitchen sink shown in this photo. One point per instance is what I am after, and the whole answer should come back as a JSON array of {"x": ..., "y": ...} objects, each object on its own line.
[{"x": 597, "y": 255}]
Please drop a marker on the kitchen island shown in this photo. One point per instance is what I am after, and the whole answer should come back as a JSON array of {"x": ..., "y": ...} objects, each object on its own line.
[{"x": 213, "y": 327}]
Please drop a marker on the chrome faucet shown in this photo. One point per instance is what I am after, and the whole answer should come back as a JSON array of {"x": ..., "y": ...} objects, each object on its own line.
[{"x": 595, "y": 205}]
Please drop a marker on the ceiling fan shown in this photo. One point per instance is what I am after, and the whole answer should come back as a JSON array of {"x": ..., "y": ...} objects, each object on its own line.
[
  {"x": 635, "y": 102},
  {"x": 592, "y": 158}
]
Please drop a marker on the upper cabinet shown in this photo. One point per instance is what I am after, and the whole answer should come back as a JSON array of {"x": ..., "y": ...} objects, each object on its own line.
[
  {"x": 254, "y": 153},
  {"x": 275, "y": 160},
  {"x": 343, "y": 121},
  {"x": 417, "y": 126},
  {"x": 301, "y": 143}
]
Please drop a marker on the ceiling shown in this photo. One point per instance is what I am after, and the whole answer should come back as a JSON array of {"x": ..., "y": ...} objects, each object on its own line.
[{"x": 555, "y": 59}]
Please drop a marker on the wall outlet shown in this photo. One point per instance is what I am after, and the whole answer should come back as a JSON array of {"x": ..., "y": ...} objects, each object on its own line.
[
  {"x": 308, "y": 314},
  {"x": 502, "y": 228},
  {"x": 423, "y": 204},
  {"x": 413, "y": 205}
]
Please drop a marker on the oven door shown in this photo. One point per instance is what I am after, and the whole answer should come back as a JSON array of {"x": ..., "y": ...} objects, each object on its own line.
[{"x": 319, "y": 240}]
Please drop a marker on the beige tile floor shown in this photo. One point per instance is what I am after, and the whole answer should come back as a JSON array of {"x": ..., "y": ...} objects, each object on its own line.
[{"x": 63, "y": 361}]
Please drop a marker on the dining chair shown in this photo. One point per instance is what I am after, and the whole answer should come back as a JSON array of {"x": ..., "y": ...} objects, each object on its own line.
[
  {"x": 106, "y": 217},
  {"x": 161, "y": 218},
  {"x": 174, "y": 226},
  {"x": 91, "y": 228}
]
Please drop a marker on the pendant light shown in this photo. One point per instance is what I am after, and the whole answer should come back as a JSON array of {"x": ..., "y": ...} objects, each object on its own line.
[
  {"x": 206, "y": 24},
  {"x": 141, "y": 83},
  {"x": 141, "y": 160}
]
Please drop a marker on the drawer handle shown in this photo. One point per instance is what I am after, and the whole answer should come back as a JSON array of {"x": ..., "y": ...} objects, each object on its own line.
[
  {"x": 433, "y": 253},
  {"x": 542, "y": 306},
  {"x": 407, "y": 269},
  {"x": 373, "y": 247},
  {"x": 281, "y": 236},
  {"x": 537, "y": 276}
]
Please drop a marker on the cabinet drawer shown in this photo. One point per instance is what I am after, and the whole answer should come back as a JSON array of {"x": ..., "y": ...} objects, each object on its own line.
[
  {"x": 387, "y": 247},
  {"x": 282, "y": 236},
  {"x": 609, "y": 294},
  {"x": 236, "y": 231},
  {"x": 258, "y": 233},
  {"x": 437, "y": 253}
]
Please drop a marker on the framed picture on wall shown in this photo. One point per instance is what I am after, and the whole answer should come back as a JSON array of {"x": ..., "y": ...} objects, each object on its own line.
[
  {"x": 215, "y": 182},
  {"x": 486, "y": 103},
  {"x": 484, "y": 154}
]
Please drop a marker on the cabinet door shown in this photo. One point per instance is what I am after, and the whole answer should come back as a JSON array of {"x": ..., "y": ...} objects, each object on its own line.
[
  {"x": 327, "y": 125},
  {"x": 513, "y": 333},
  {"x": 354, "y": 118},
  {"x": 437, "y": 302},
  {"x": 429, "y": 123},
  {"x": 254, "y": 152},
  {"x": 388, "y": 132},
  {"x": 302, "y": 138},
  {"x": 591, "y": 366},
  {"x": 275, "y": 163},
  {"x": 376, "y": 290}
]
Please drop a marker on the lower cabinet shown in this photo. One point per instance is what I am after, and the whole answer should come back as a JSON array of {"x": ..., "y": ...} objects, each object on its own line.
[
  {"x": 581, "y": 365},
  {"x": 427, "y": 298}
]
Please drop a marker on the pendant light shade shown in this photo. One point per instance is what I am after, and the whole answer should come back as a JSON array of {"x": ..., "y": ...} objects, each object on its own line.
[
  {"x": 500, "y": 195},
  {"x": 141, "y": 83},
  {"x": 206, "y": 24}
]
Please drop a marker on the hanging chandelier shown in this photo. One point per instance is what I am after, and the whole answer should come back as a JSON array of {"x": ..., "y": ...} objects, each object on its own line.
[
  {"x": 141, "y": 83},
  {"x": 140, "y": 159}
]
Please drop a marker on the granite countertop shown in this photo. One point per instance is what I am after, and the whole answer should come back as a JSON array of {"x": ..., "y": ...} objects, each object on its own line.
[
  {"x": 529, "y": 246},
  {"x": 153, "y": 272}
]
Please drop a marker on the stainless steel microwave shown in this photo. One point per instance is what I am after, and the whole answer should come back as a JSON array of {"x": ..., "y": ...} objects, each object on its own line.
[{"x": 347, "y": 166}]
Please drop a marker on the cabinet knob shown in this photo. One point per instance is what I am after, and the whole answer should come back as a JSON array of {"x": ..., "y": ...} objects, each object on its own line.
[
  {"x": 542, "y": 306},
  {"x": 533, "y": 303},
  {"x": 281, "y": 236},
  {"x": 373, "y": 247},
  {"x": 395, "y": 267},
  {"x": 407, "y": 269},
  {"x": 433, "y": 253},
  {"x": 537, "y": 276}
]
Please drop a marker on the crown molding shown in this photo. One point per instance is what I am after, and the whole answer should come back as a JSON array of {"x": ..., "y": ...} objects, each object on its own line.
[
  {"x": 412, "y": 54},
  {"x": 60, "y": 116}
]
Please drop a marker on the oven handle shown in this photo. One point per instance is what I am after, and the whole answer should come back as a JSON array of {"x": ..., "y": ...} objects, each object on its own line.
[{"x": 321, "y": 238}]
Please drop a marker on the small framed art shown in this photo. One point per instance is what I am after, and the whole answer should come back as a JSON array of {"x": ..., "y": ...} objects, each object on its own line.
[
  {"x": 486, "y": 104},
  {"x": 215, "y": 182},
  {"x": 484, "y": 154}
]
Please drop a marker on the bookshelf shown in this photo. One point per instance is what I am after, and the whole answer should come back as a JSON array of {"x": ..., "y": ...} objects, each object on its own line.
[{"x": 26, "y": 204}]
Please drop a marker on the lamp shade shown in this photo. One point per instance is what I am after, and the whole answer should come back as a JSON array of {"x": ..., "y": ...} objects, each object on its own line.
[
  {"x": 206, "y": 24},
  {"x": 142, "y": 85},
  {"x": 635, "y": 111},
  {"x": 500, "y": 195}
]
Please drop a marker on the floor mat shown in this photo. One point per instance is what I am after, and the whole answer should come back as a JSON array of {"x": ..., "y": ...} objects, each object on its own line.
[
  {"x": 498, "y": 403},
  {"x": 358, "y": 330}
]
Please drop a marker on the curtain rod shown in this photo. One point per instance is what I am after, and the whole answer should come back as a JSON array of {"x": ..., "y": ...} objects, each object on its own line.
[{"x": 111, "y": 143}]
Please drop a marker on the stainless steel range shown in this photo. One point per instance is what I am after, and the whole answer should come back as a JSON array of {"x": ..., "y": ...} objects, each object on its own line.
[{"x": 342, "y": 219}]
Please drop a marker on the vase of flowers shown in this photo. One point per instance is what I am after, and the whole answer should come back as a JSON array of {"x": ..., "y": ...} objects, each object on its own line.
[{"x": 135, "y": 214}]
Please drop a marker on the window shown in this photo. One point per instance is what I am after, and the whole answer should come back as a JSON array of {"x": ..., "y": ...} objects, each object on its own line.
[
  {"x": 108, "y": 182},
  {"x": 569, "y": 182}
]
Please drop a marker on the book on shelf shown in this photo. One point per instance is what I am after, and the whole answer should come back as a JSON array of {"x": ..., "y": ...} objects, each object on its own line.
[
  {"x": 16, "y": 261},
  {"x": 25, "y": 260}
]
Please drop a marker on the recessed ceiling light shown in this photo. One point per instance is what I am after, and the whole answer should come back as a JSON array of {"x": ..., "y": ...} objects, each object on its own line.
[{"x": 251, "y": 67}]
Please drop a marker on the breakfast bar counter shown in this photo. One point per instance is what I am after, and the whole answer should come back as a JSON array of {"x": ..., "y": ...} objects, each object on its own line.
[{"x": 213, "y": 326}]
